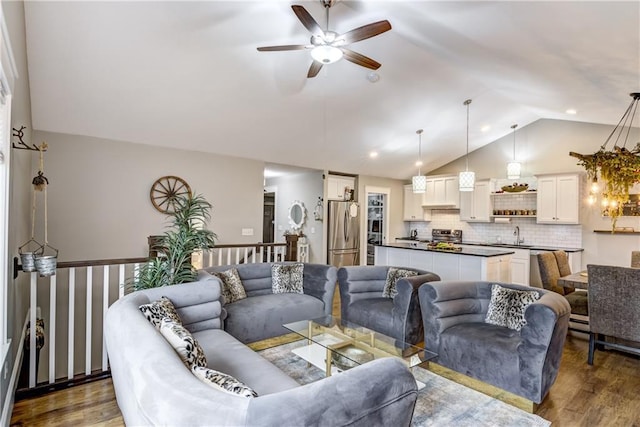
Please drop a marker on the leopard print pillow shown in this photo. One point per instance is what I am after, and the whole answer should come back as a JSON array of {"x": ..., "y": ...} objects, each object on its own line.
[
  {"x": 507, "y": 306},
  {"x": 393, "y": 275},
  {"x": 158, "y": 310},
  {"x": 223, "y": 382},
  {"x": 287, "y": 278},
  {"x": 232, "y": 288},
  {"x": 183, "y": 343}
]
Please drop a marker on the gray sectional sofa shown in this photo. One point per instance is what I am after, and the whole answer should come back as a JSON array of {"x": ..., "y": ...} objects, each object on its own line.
[
  {"x": 262, "y": 314},
  {"x": 154, "y": 387}
]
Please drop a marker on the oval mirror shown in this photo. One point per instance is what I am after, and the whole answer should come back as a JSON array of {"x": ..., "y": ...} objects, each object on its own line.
[{"x": 297, "y": 215}]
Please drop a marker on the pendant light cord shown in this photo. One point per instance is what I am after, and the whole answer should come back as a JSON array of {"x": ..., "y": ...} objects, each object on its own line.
[
  {"x": 419, "y": 132},
  {"x": 514, "y": 141},
  {"x": 467, "y": 102}
]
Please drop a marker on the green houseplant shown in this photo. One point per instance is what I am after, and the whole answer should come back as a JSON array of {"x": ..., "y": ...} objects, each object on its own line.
[{"x": 185, "y": 235}]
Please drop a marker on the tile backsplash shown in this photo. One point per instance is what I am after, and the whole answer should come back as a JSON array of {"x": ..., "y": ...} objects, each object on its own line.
[{"x": 566, "y": 236}]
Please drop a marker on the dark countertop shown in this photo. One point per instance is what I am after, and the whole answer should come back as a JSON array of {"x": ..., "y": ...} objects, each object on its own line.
[
  {"x": 464, "y": 251},
  {"x": 529, "y": 247}
]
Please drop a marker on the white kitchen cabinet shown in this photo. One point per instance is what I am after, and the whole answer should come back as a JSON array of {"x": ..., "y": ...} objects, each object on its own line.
[
  {"x": 442, "y": 191},
  {"x": 475, "y": 206},
  {"x": 520, "y": 266},
  {"x": 498, "y": 269},
  {"x": 336, "y": 186},
  {"x": 413, "y": 210},
  {"x": 558, "y": 199}
]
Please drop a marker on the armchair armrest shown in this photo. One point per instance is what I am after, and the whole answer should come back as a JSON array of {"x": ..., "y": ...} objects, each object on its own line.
[
  {"x": 381, "y": 392},
  {"x": 543, "y": 340},
  {"x": 320, "y": 282}
]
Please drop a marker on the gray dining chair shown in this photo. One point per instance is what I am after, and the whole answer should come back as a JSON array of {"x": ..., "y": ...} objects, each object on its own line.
[{"x": 614, "y": 298}]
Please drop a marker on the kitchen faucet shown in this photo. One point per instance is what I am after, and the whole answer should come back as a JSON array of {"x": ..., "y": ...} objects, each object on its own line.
[{"x": 516, "y": 232}]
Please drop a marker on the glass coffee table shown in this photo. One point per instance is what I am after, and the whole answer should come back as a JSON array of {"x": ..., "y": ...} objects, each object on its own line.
[{"x": 335, "y": 345}]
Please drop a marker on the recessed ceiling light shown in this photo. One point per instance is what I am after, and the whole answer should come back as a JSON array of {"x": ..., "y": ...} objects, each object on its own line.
[
  {"x": 373, "y": 77},
  {"x": 571, "y": 111},
  {"x": 373, "y": 154},
  {"x": 485, "y": 128},
  {"x": 419, "y": 163}
]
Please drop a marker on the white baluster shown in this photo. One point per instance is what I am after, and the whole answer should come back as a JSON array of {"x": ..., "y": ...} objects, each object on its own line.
[
  {"x": 72, "y": 304},
  {"x": 33, "y": 304},
  {"x": 246, "y": 255},
  {"x": 87, "y": 356},
  {"x": 120, "y": 281},
  {"x": 52, "y": 328},
  {"x": 105, "y": 306}
]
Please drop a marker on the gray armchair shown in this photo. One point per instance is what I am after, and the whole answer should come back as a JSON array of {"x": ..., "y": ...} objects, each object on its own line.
[
  {"x": 614, "y": 298},
  {"x": 362, "y": 302},
  {"x": 524, "y": 362}
]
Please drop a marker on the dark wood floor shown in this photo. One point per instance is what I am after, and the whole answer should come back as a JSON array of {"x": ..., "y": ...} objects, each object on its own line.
[{"x": 606, "y": 394}]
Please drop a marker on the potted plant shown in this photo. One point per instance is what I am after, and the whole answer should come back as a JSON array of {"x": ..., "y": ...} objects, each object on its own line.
[{"x": 185, "y": 235}]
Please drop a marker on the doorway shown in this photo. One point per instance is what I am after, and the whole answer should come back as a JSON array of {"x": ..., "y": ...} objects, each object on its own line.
[
  {"x": 268, "y": 218},
  {"x": 377, "y": 222}
]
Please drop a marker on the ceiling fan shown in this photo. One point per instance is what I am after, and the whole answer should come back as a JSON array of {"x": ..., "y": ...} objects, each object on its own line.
[{"x": 327, "y": 46}]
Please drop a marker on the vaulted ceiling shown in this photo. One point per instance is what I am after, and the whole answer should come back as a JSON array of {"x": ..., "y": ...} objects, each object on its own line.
[{"x": 188, "y": 75}]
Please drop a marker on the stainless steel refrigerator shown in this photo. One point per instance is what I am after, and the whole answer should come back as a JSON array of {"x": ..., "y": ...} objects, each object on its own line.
[{"x": 344, "y": 233}]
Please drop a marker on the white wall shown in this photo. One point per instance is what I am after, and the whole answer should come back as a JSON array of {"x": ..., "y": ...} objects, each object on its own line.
[
  {"x": 305, "y": 187},
  {"x": 543, "y": 147},
  {"x": 98, "y": 193}
]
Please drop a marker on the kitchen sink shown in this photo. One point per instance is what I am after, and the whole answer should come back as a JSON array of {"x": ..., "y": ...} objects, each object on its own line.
[{"x": 507, "y": 245}]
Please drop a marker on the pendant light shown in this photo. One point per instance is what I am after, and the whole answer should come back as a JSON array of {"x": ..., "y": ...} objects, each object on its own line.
[
  {"x": 513, "y": 167},
  {"x": 467, "y": 179},
  {"x": 419, "y": 182}
]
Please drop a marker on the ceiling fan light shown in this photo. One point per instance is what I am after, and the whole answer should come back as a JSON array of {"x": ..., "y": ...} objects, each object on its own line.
[
  {"x": 513, "y": 170},
  {"x": 326, "y": 54}
]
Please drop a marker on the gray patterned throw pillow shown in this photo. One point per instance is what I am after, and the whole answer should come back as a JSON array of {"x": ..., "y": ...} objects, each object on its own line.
[
  {"x": 287, "y": 278},
  {"x": 183, "y": 343},
  {"x": 232, "y": 288},
  {"x": 507, "y": 306},
  {"x": 223, "y": 382},
  {"x": 158, "y": 310},
  {"x": 393, "y": 275}
]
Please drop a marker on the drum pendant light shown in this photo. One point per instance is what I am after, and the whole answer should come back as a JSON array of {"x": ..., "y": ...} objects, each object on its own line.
[
  {"x": 467, "y": 179},
  {"x": 419, "y": 182},
  {"x": 513, "y": 167}
]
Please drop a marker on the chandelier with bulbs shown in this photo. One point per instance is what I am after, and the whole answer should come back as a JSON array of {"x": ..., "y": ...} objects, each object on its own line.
[{"x": 614, "y": 171}]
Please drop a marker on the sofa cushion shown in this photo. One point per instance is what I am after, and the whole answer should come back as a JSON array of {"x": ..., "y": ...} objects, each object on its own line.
[
  {"x": 287, "y": 278},
  {"x": 156, "y": 311},
  {"x": 232, "y": 289},
  {"x": 507, "y": 306},
  {"x": 227, "y": 354},
  {"x": 222, "y": 382},
  {"x": 393, "y": 275},
  {"x": 183, "y": 343},
  {"x": 373, "y": 312},
  {"x": 262, "y": 316}
]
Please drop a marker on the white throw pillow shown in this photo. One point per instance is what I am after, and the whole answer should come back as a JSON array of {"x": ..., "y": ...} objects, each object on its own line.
[
  {"x": 183, "y": 343},
  {"x": 287, "y": 278},
  {"x": 158, "y": 310},
  {"x": 223, "y": 382},
  {"x": 507, "y": 306},
  {"x": 393, "y": 275}
]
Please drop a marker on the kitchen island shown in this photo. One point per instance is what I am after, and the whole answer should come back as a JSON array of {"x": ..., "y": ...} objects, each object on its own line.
[{"x": 463, "y": 264}]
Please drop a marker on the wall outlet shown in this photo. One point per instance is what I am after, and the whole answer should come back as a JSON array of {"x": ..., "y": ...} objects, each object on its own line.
[{"x": 247, "y": 231}]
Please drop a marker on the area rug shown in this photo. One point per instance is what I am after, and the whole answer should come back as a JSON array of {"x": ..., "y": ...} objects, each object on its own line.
[{"x": 440, "y": 403}]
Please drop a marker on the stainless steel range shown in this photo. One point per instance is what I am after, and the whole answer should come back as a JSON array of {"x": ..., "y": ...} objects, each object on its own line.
[{"x": 446, "y": 235}]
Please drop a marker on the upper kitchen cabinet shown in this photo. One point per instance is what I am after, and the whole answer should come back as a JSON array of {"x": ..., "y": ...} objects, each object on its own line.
[
  {"x": 413, "y": 210},
  {"x": 558, "y": 199},
  {"x": 475, "y": 206},
  {"x": 336, "y": 186},
  {"x": 442, "y": 191}
]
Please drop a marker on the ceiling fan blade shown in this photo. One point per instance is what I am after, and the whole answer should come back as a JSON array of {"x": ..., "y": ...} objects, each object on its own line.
[
  {"x": 314, "y": 69},
  {"x": 307, "y": 20},
  {"x": 360, "y": 59},
  {"x": 283, "y": 47},
  {"x": 365, "y": 32}
]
